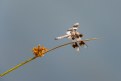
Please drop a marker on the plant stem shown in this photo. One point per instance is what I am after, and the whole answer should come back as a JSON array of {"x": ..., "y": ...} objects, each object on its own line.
[
  {"x": 17, "y": 66},
  {"x": 30, "y": 59},
  {"x": 70, "y": 43}
]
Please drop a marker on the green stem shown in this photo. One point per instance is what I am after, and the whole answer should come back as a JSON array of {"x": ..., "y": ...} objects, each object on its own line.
[
  {"x": 17, "y": 66},
  {"x": 30, "y": 59}
]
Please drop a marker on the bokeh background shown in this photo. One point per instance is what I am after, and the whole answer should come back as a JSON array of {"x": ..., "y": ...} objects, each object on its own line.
[{"x": 27, "y": 23}]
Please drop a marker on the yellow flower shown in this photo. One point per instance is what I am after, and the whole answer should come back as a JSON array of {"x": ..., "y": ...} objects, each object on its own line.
[{"x": 39, "y": 51}]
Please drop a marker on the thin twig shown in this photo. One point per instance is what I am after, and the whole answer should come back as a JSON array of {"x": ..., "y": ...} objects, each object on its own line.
[
  {"x": 30, "y": 59},
  {"x": 17, "y": 66},
  {"x": 70, "y": 43}
]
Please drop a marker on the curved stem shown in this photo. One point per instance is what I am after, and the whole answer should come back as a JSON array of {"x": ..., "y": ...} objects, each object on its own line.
[
  {"x": 30, "y": 59},
  {"x": 70, "y": 43}
]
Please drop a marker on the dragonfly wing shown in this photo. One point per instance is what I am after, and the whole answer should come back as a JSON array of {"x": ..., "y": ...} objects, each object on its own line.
[
  {"x": 75, "y": 46},
  {"x": 61, "y": 37}
]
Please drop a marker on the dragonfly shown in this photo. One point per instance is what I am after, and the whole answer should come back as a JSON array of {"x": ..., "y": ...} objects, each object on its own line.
[{"x": 75, "y": 36}]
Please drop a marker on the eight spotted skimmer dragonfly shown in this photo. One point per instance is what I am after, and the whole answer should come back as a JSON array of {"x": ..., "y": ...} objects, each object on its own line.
[{"x": 74, "y": 35}]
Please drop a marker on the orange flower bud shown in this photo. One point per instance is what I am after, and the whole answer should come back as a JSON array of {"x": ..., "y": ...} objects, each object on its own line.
[{"x": 39, "y": 51}]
